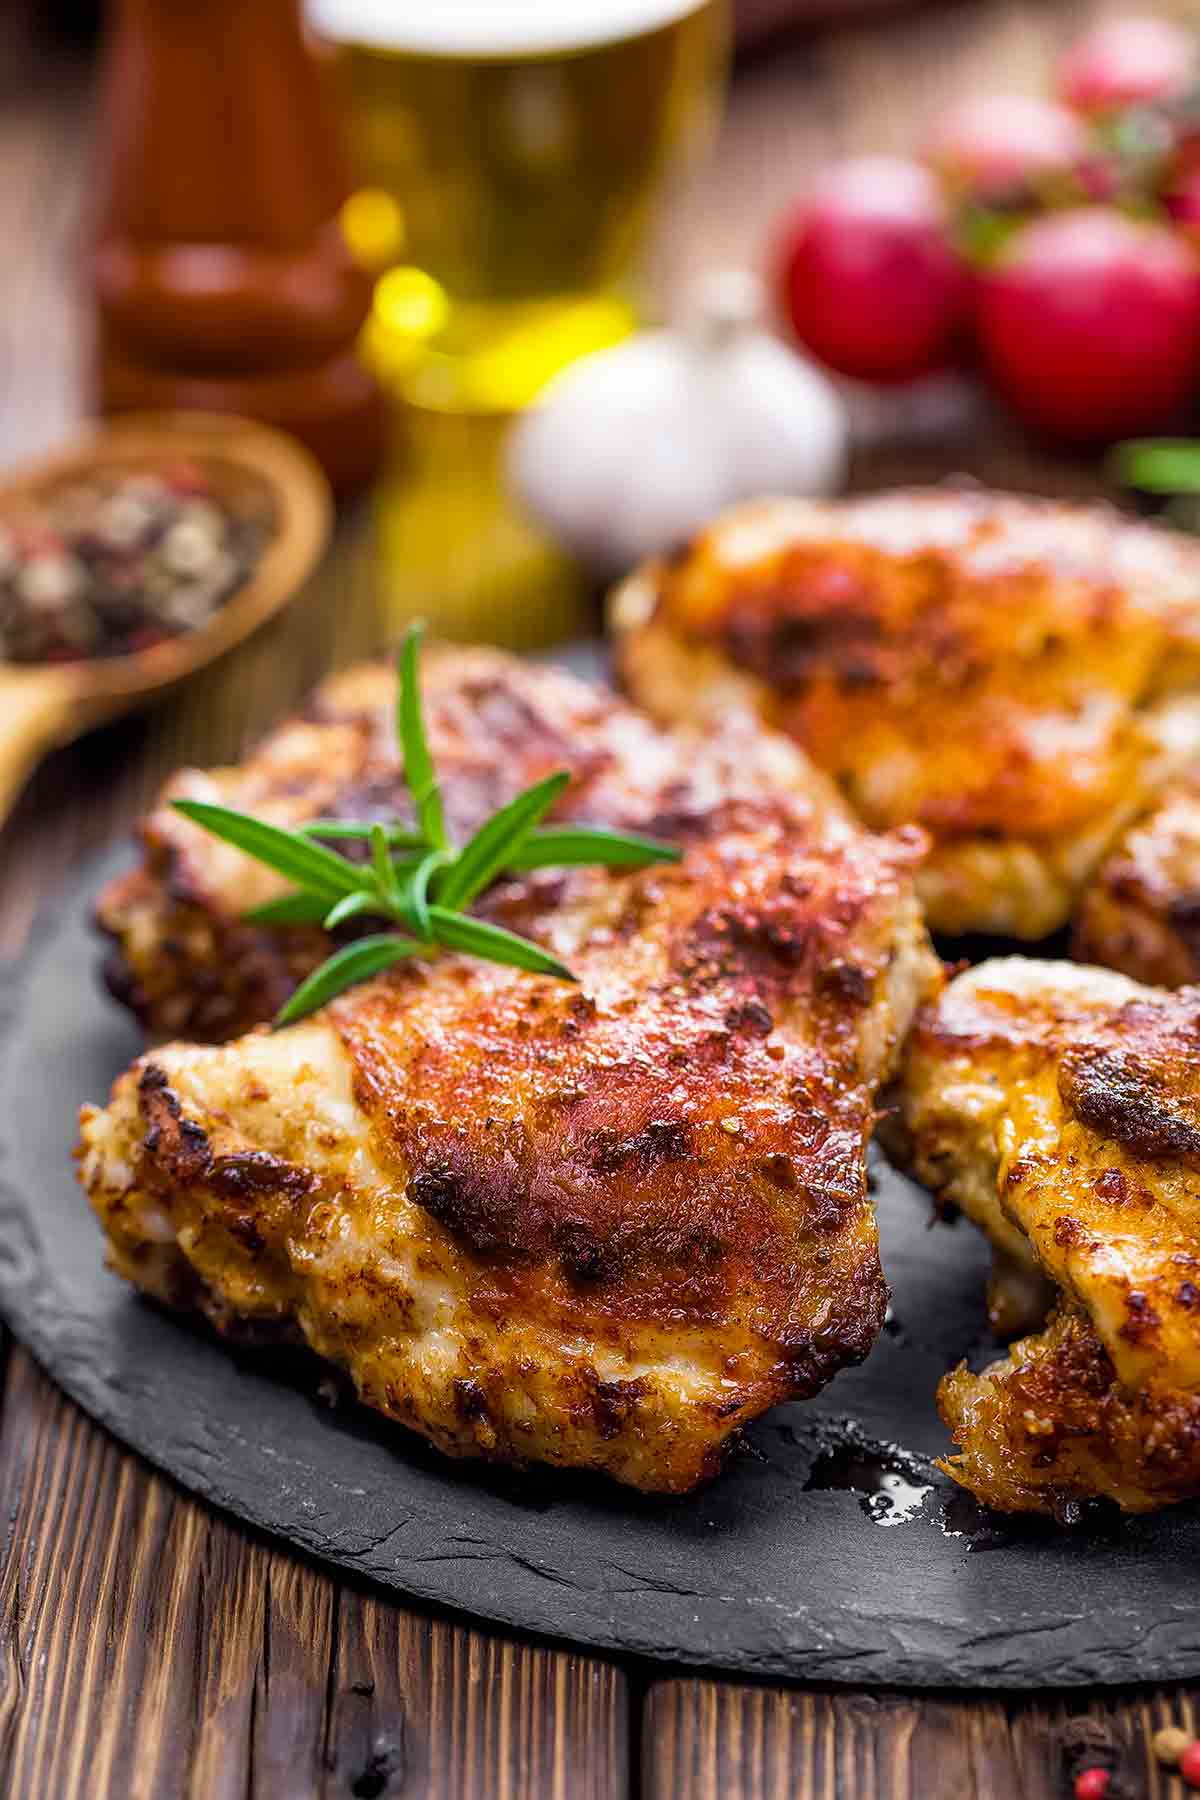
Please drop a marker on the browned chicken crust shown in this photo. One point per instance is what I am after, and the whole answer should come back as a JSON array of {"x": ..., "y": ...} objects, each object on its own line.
[
  {"x": 182, "y": 956},
  {"x": 1142, "y": 913},
  {"x": 600, "y": 1225},
  {"x": 1059, "y": 1107},
  {"x": 1017, "y": 676},
  {"x": 1052, "y": 1424}
]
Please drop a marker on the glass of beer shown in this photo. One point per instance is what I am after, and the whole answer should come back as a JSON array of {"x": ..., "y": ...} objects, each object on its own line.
[{"x": 509, "y": 154}]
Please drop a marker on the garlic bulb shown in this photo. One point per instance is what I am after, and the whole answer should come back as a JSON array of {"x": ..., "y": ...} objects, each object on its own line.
[{"x": 631, "y": 450}]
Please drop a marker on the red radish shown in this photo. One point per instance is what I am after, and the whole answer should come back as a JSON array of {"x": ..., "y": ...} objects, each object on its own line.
[
  {"x": 866, "y": 275},
  {"x": 998, "y": 148},
  {"x": 1182, "y": 200},
  {"x": 1089, "y": 324},
  {"x": 1128, "y": 61}
]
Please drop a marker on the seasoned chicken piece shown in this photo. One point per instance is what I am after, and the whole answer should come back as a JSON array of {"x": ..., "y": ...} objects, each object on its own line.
[
  {"x": 1142, "y": 912},
  {"x": 1059, "y": 1107},
  {"x": 187, "y": 963},
  {"x": 600, "y": 1225},
  {"x": 1017, "y": 676}
]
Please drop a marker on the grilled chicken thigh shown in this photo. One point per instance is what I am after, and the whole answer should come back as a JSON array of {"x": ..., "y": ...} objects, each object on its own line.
[
  {"x": 1019, "y": 677},
  {"x": 1059, "y": 1107},
  {"x": 600, "y": 1225},
  {"x": 1141, "y": 914}
]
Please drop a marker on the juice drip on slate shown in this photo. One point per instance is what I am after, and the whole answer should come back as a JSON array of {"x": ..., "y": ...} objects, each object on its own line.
[{"x": 892, "y": 1487}]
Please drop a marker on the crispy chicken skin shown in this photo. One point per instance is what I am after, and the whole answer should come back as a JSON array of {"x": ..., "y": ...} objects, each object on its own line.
[
  {"x": 1017, "y": 676},
  {"x": 188, "y": 965},
  {"x": 599, "y": 1225},
  {"x": 1059, "y": 1107},
  {"x": 1142, "y": 912}
]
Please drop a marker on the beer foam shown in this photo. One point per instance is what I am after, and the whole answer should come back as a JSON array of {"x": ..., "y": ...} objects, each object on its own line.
[{"x": 487, "y": 28}]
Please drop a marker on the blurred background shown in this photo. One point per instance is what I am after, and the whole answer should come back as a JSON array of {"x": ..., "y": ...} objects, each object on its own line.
[{"x": 542, "y": 285}]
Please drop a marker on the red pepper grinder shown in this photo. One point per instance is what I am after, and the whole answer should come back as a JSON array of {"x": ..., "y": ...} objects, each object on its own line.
[{"x": 221, "y": 278}]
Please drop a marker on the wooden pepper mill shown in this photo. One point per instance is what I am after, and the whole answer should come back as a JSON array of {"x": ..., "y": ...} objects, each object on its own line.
[{"x": 221, "y": 278}]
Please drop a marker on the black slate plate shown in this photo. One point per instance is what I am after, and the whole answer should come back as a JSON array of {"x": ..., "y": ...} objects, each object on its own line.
[{"x": 781, "y": 1567}]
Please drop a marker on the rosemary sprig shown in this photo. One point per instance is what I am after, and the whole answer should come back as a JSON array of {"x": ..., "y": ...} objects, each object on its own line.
[
  {"x": 416, "y": 877},
  {"x": 1157, "y": 465}
]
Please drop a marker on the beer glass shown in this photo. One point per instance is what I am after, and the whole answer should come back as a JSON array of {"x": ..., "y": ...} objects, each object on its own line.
[{"x": 509, "y": 153}]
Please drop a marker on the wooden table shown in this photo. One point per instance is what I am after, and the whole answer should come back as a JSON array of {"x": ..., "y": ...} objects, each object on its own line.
[{"x": 151, "y": 1648}]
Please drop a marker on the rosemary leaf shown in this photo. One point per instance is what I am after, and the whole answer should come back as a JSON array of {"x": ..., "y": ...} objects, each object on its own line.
[
  {"x": 299, "y": 908},
  {"x": 381, "y": 864},
  {"x": 399, "y": 837},
  {"x": 350, "y": 906},
  {"x": 419, "y": 771},
  {"x": 355, "y": 962},
  {"x": 309, "y": 864},
  {"x": 560, "y": 846},
  {"x": 494, "y": 845},
  {"x": 1157, "y": 465},
  {"x": 458, "y": 931},
  {"x": 416, "y": 893}
]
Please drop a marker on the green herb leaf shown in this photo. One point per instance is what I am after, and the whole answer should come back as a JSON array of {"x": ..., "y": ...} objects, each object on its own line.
[
  {"x": 350, "y": 906},
  {"x": 356, "y": 962},
  {"x": 400, "y": 837},
  {"x": 561, "y": 846},
  {"x": 457, "y": 931},
  {"x": 381, "y": 863},
  {"x": 419, "y": 772},
  {"x": 494, "y": 844},
  {"x": 416, "y": 893},
  {"x": 1157, "y": 465},
  {"x": 321, "y": 870},
  {"x": 290, "y": 909}
]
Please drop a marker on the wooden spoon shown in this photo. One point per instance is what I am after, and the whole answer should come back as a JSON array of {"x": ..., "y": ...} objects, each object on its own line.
[{"x": 44, "y": 704}]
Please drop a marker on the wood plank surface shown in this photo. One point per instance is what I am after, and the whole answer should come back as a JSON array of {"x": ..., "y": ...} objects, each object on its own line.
[
  {"x": 150, "y": 1648},
  {"x": 709, "y": 1740}
]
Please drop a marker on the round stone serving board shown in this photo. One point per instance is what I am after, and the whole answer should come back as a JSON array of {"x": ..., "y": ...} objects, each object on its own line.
[{"x": 777, "y": 1568}]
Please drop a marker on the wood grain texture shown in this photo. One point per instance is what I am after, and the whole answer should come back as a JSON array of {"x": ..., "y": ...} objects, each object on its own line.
[
  {"x": 150, "y": 1648},
  {"x": 719, "y": 1741}
]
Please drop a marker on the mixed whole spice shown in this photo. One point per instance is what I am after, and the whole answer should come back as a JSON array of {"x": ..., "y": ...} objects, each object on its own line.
[{"x": 116, "y": 562}]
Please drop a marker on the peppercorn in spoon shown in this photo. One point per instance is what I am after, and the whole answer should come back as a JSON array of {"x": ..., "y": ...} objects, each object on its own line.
[{"x": 135, "y": 557}]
